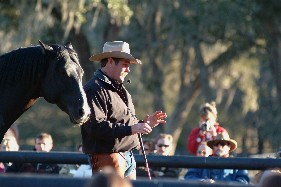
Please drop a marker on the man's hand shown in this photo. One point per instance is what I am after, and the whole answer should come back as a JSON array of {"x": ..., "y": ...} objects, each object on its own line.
[
  {"x": 156, "y": 118},
  {"x": 142, "y": 128}
]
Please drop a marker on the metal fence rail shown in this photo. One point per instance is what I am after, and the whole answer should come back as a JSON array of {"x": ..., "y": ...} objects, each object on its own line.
[
  {"x": 29, "y": 180},
  {"x": 158, "y": 161}
]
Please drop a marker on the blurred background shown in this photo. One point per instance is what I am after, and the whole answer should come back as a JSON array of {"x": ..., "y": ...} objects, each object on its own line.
[{"x": 193, "y": 51}]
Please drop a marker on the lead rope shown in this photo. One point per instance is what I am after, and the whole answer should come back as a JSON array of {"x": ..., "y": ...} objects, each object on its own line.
[{"x": 144, "y": 156}]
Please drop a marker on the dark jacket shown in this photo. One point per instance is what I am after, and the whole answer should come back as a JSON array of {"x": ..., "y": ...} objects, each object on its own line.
[
  {"x": 112, "y": 113},
  {"x": 227, "y": 175}
]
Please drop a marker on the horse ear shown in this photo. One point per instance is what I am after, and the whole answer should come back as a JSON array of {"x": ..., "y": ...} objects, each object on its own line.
[
  {"x": 45, "y": 47},
  {"x": 68, "y": 45}
]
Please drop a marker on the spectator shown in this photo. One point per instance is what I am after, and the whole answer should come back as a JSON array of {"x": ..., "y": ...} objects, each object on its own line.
[
  {"x": 111, "y": 133},
  {"x": 260, "y": 173},
  {"x": 163, "y": 147},
  {"x": 43, "y": 143},
  {"x": 11, "y": 139},
  {"x": 208, "y": 127},
  {"x": 84, "y": 170},
  {"x": 108, "y": 178},
  {"x": 163, "y": 144},
  {"x": 71, "y": 169},
  {"x": 270, "y": 178},
  {"x": 10, "y": 143},
  {"x": 222, "y": 145},
  {"x": 148, "y": 146},
  {"x": 80, "y": 148},
  {"x": 204, "y": 150}
]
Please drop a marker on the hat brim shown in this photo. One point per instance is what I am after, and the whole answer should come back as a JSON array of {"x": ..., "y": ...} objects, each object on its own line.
[
  {"x": 232, "y": 143},
  {"x": 115, "y": 54}
]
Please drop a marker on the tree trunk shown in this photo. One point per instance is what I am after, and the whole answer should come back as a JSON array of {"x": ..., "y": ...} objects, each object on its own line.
[
  {"x": 82, "y": 47},
  {"x": 273, "y": 49},
  {"x": 204, "y": 74},
  {"x": 189, "y": 90}
]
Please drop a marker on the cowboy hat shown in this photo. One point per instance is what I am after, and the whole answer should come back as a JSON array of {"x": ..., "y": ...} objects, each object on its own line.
[
  {"x": 115, "y": 49},
  {"x": 223, "y": 137}
]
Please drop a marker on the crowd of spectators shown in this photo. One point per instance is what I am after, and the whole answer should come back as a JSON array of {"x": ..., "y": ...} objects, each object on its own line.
[{"x": 212, "y": 140}]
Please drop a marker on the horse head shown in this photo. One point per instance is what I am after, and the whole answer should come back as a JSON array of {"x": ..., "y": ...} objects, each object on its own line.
[{"x": 62, "y": 84}]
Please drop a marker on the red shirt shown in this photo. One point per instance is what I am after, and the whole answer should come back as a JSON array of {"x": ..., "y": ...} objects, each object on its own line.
[{"x": 194, "y": 138}]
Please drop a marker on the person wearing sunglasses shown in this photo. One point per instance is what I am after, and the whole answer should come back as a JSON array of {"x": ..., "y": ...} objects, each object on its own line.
[
  {"x": 163, "y": 147},
  {"x": 204, "y": 150},
  {"x": 163, "y": 144},
  {"x": 222, "y": 146}
]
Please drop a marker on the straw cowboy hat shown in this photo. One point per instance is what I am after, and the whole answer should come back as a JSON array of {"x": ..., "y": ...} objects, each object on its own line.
[
  {"x": 115, "y": 49},
  {"x": 223, "y": 137}
]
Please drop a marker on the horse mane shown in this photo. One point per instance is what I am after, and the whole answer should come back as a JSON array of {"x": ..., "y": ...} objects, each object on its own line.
[
  {"x": 22, "y": 64},
  {"x": 28, "y": 64}
]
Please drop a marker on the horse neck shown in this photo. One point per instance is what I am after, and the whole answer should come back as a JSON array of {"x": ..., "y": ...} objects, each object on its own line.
[
  {"x": 42, "y": 72},
  {"x": 39, "y": 71}
]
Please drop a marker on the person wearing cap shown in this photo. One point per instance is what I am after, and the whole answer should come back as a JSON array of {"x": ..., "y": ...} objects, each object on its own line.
[
  {"x": 208, "y": 127},
  {"x": 222, "y": 146},
  {"x": 110, "y": 134}
]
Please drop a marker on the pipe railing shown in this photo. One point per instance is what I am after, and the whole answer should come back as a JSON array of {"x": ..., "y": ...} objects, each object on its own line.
[
  {"x": 153, "y": 160},
  {"x": 32, "y": 180}
]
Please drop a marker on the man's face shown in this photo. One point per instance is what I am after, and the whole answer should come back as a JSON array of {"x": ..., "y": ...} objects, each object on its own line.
[
  {"x": 43, "y": 145},
  {"x": 120, "y": 70},
  {"x": 163, "y": 147},
  {"x": 221, "y": 149}
]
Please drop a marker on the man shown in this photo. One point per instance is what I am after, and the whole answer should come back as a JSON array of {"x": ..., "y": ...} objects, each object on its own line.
[
  {"x": 163, "y": 144},
  {"x": 43, "y": 143},
  {"x": 112, "y": 130},
  {"x": 222, "y": 145},
  {"x": 163, "y": 147}
]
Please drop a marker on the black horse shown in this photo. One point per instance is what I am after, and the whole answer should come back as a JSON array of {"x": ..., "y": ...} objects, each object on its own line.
[{"x": 52, "y": 72}]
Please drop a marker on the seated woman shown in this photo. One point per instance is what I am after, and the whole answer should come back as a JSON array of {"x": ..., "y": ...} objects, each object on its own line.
[{"x": 204, "y": 150}]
